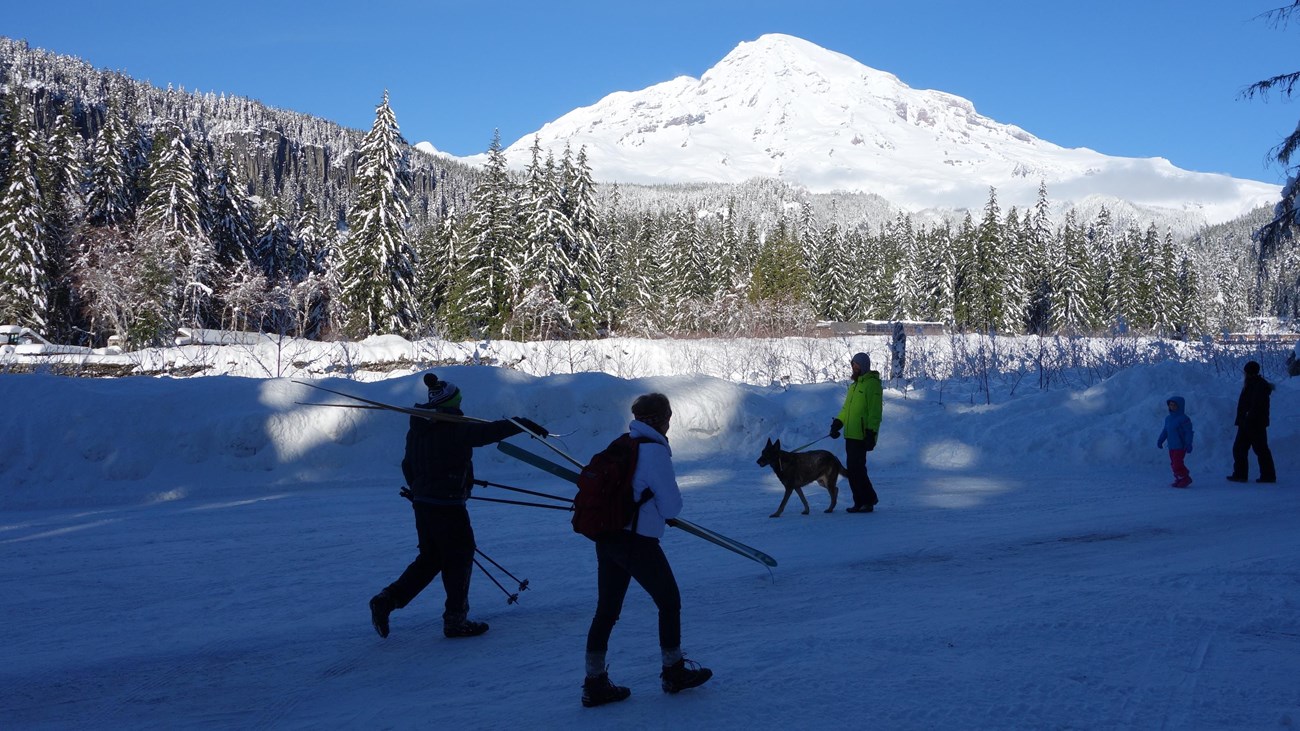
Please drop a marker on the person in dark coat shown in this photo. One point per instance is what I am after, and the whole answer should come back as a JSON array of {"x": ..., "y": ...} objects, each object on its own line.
[
  {"x": 1252, "y": 427},
  {"x": 439, "y": 474}
]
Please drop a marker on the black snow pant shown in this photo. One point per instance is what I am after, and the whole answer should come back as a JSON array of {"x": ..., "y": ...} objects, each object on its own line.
[
  {"x": 1255, "y": 438},
  {"x": 619, "y": 559},
  {"x": 855, "y": 462},
  {"x": 446, "y": 546}
]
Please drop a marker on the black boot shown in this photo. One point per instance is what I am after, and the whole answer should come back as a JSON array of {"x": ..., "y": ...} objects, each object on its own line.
[
  {"x": 684, "y": 674},
  {"x": 466, "y": 628},
  {"x": 381, "y": 605},
  {"x": 597, "y": 690}
]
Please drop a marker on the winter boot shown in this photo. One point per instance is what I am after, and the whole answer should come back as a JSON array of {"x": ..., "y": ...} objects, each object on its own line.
[
  {"x": 381, "y": 605},
  {"x": 684, "y": 674},
  {"x": 466, "y": 628},
  {"x": 597, "y": 690},
  {"x": 1183, "y": 481},
  {"x": 1237, "y": 478}
]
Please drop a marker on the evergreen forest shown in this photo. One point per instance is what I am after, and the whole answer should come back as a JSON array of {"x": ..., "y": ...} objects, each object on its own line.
[{"x": 130, "y": 210}]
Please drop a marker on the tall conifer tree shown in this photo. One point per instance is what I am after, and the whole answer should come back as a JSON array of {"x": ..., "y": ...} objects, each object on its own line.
[
  {"x": 377, "y": 262},
  {"x": 24, "y": 259}
]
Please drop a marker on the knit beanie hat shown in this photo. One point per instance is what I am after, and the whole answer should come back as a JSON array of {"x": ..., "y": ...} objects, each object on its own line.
[
  {"x": 441, "y": 393},
  {"x": 863, "y": 361},
  {"x": 1252, "y": 368}
]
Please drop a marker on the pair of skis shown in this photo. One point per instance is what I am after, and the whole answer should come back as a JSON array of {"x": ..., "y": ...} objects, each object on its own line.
[
  {"x": 565, "y": 473},
  {"x": 543, "y": 464}
]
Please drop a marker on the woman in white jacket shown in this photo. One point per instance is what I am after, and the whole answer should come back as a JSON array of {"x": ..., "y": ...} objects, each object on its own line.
[{"x": 636, "y": 554}]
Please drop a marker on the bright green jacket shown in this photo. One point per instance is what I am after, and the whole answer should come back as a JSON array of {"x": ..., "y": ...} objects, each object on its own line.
[{"x": 861, "y": 412}]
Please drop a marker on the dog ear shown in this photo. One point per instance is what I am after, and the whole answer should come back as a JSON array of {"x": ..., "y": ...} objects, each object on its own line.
[
  {"x": 777, "y": 444},
  {"x": 769, "y": 442}
]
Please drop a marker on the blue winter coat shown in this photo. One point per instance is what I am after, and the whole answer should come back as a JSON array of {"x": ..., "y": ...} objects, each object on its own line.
[{"x": 1178, "y": 428}]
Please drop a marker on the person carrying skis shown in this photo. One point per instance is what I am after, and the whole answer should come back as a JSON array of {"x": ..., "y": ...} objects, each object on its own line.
[
  {"x": 860, "y": 420},
  {"x": 635, "y": 553},
  {"x": 439, "y": 473},
  {"x": 1178, "y": 432}
]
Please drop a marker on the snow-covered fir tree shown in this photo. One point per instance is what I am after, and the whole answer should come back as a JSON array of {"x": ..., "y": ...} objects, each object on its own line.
[
  {"x": 24, "y": 259},
  {"x": 376, "y": 261},
  {"x": 171, "y": 215}
]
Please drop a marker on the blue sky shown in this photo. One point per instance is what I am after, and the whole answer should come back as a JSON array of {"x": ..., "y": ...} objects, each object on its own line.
[{"x": 1140, "y": 78}]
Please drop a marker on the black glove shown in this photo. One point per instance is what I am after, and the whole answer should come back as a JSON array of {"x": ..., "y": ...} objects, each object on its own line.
[
  {"x": 870, "y": 439},
  {"x": 531, "y": 426},
  {"x": 836, "y": 425}
]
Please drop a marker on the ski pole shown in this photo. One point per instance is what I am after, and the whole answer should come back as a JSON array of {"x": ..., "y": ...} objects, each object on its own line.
[
  {"x": 809, "y": 444},
  {"x": 523, "y": 585},
  {"x": 547, "y": 444},
  {"x": 560, "y": 498},
  {"x": 568, "y": 508},
  {"x": 510, "y": 598}
]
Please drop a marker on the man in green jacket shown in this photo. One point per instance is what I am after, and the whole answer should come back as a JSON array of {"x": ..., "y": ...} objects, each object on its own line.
[{"x": 860, "y": 421}]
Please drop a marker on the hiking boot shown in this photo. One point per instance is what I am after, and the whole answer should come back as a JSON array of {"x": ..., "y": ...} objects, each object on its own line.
[
  {"x": 381, "y": 605},
  {"x": 684, "y": 674},
  {"x": 466, "y": 628},
  {"x": 1181, "y": 482},
  {"x": 597, "y": 690},
  {"x": 1235, "y": 478},
  {"x": 1267, "y": 480},
  {"x": 860, "y": 509}
]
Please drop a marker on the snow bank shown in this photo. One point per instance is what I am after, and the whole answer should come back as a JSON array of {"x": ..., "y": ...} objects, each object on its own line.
[{"x": 93, "y": 442}]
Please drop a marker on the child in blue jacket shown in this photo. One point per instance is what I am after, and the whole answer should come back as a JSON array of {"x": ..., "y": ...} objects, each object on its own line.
[{"x": 1178, "y": 432}]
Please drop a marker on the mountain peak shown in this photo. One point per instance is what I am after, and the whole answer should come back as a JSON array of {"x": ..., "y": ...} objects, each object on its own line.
[{"x": 781, "y": 106}]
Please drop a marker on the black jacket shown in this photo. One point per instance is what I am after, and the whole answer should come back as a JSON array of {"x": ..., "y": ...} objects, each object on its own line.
[
  {"x": 438, "y": 464},
  {"x": 1252, "y": 405}
]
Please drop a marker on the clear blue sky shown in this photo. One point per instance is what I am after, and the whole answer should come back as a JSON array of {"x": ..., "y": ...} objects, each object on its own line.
[{"x": 1141, "y": 78}]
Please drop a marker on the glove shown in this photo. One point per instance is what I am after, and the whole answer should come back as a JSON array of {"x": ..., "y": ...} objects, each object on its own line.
[
  {"x": 531, "y": 426},
  {"x": 1160, "y": 444},
  {"x": 1189, "y": 449},
  {"x": 870, "y": 439},
  {"x": 836, "y": 425}
]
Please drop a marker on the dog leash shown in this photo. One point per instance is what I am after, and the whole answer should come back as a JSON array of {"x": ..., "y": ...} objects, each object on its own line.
[{"x": 809, "y": 444}]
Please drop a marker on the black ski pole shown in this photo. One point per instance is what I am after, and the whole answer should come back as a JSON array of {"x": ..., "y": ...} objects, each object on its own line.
[
  {"x": 523, "y": 585},
  {"x": 510, "y": 598},
  {"x": 521, "y": 502},
  {"x": 560, "y": 498}
]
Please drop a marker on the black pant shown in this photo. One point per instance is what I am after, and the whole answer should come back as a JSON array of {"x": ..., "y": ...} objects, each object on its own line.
[
  {"x": 447, "y": 546},
  {"x": 855, "y": 460},
  {"x": 619, "y": 559},
  {"x": 1256, "y": 438}
]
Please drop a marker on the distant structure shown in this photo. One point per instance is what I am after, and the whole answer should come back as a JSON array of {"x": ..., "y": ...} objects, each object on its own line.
[{"x": 882, "y": 327}]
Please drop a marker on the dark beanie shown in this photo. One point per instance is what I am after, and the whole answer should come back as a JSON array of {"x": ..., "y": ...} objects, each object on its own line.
[
  {"x": 651, "y": 408},
  {"x": 1252, "y": 368},
  {"x": 441, "y": 393},
  {"x": 863, "y": 360}
]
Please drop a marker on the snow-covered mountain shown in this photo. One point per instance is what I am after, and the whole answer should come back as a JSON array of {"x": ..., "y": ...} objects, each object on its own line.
[{"x": 782, "y": 107}]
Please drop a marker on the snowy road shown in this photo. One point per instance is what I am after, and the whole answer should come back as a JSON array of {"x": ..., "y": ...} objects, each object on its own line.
[{"x": 990, "y": 602}]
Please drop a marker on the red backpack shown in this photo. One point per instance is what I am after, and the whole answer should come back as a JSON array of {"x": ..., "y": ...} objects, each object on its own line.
[{"x": 604, "y": 501}]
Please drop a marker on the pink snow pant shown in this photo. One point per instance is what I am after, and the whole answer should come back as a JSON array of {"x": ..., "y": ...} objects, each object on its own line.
[{"x": 1176, "y": 462}]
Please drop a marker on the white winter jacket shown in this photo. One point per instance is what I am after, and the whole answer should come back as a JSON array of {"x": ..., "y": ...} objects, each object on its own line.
[{"x": 654, "y": 470}]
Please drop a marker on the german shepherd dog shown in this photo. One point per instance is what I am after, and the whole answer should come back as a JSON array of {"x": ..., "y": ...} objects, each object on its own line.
[{"x": 797, "y": 469}]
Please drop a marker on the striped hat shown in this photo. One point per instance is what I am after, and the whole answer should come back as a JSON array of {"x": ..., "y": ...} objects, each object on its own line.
[{"x": 441, "y": 393}]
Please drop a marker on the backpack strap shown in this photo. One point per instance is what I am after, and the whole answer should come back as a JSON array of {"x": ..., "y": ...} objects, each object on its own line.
[{"x": 647, "y": 494}]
